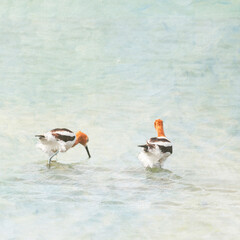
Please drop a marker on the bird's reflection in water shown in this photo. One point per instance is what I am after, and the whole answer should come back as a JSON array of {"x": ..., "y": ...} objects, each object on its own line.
[
  {"x": 162, "y": 175},
  {"x": 59, "y": 165},
  {"x": 168, "y": 177}
]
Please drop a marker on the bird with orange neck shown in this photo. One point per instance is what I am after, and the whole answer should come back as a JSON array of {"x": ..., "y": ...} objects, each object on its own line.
[
  {"x": 157, "y": 149},
  {"x": 61, "y": 140}
]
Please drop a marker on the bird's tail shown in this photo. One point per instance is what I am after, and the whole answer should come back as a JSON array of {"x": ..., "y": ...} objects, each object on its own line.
[
  {"x": 40, "y": 136},
  {"x": 145, "y": 147}
]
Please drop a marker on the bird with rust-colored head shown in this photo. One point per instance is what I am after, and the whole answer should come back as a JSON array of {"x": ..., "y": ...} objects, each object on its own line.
[
  {"x": 61, "y": 140},
  {"x": 157, "y": 149}
]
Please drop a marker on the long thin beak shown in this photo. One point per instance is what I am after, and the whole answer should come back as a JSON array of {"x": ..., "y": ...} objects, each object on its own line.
[{"x": 88, "y": 151}]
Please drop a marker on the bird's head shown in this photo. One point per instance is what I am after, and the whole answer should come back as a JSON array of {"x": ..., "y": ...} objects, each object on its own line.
[
  {"x": 158, "y": 124},
  {"x": 83, "y": 139}
]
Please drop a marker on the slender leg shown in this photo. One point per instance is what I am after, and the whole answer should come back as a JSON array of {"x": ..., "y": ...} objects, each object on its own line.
[{"x": 50, "y": 159}]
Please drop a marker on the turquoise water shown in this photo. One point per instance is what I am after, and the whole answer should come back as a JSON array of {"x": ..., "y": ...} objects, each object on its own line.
[{"x": 110, "y": 68}]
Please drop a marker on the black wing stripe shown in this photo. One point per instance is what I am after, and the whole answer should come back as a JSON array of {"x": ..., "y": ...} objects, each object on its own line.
[
  {"x": 155, "y": 139},
  {"x": 165, "y": 149},
  {"x": 63, "y": 137},
  {"x": 61, "y": 130}
]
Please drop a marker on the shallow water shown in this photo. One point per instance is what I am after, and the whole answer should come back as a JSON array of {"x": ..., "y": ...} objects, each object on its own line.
[{"x": 110, "y": 69}]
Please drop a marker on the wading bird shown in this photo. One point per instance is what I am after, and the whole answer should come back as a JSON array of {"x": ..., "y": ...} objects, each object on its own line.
[
  {"x": 157, "y": 149},
  {"x": 60, "y": 140}
]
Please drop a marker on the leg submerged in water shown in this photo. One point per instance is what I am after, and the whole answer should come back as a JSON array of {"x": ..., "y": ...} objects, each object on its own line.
[{"x": 50, "y": 159}]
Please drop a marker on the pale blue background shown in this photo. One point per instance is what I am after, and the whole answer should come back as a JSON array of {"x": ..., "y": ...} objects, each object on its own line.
[{"x": 110, "y": 68}]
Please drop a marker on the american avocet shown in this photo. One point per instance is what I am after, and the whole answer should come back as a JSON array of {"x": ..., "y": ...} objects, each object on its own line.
[
  {"x": 60, "y": 140},
  {"x": 157, "y": 149}
]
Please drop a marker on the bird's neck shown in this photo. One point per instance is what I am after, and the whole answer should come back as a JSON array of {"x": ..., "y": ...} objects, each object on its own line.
[
  {"x": 76, "y": 142},
  {"x": 160, "y": 131}
]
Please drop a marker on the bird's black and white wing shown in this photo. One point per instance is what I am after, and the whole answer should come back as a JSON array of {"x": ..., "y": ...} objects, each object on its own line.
[
  {"x": 58, "y": 139},
  {"x": 163, "y": 143},
  {"x": 63, "y": 134},
  {"x": 65, "y": 138},
  {"x": 155, "y": 151}
]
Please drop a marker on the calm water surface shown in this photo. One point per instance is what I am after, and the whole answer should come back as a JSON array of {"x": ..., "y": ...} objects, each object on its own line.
[{"x": 110, "y": 68}]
